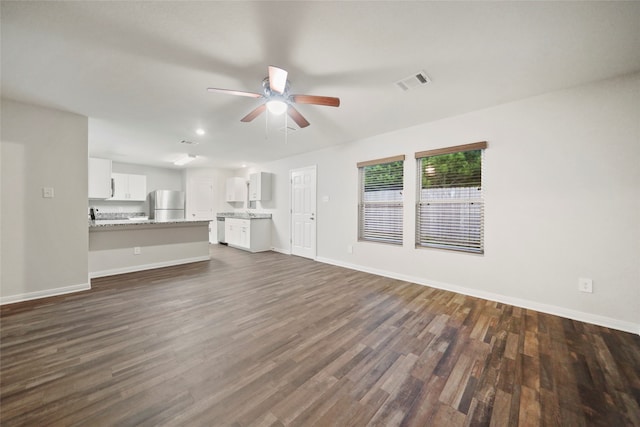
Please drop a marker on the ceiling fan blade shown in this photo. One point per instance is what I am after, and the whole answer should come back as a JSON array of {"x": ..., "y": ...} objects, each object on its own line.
[
  {"x": 254, "y": 113},
  {"x": 235, "y": 92},
  {"x": 317, "y": 100},
  {"x": 297, "y": 117},
  {"x": 277, "y": 79}
]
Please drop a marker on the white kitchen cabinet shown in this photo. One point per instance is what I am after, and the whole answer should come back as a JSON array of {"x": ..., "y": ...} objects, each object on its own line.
[
  {"x": 238, "y": 232},
  {"x": 99, "y": 178},
  {"x": 138, "y": 187},
  {"x": 236, "y": 189},
  {"x": 232, "y": 231},
  {"x": 260, "y": 186},
  {"x": 129, "y": 187},
  {"x": 253, "y": 235}
]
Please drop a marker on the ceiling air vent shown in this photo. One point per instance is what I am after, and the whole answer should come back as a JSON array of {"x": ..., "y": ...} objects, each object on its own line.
[{"x": 413, "y": 81}]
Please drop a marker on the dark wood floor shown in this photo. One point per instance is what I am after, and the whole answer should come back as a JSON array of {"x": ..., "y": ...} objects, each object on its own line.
[{"x": 269, "y": 340}]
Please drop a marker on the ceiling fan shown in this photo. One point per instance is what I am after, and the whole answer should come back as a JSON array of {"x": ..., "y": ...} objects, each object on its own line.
[{"x": 275, "y": 90}]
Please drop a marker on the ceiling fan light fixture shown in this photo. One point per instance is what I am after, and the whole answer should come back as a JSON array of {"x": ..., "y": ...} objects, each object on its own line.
[{"x": 277, "y": 106}]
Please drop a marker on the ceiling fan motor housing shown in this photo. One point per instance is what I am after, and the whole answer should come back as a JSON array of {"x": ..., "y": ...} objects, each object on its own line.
[{"x": 268, "y": 93}]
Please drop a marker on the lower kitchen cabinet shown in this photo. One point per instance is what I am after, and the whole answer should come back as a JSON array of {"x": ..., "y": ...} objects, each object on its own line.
[{"x": 253, "y": 235}]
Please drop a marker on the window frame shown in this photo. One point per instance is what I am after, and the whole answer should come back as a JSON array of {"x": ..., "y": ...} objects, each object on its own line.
[
  {"x": 363, "y": 235},
  {"x": 472, "y": 245}
]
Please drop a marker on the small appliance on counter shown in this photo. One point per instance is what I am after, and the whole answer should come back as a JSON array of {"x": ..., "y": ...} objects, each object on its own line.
[{"x": 165, "y": 205}]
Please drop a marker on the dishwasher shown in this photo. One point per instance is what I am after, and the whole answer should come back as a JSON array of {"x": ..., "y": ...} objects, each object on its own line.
[{"x": 220, "y": 230}]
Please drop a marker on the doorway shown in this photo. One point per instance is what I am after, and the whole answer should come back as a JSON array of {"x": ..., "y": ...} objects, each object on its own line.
[{"x": 303, "y": 212}]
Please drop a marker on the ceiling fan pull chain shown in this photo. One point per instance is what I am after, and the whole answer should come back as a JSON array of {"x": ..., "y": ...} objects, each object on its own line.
[
  {"x": 266, "y": 126},
  {"x": 286, "y": 129}
]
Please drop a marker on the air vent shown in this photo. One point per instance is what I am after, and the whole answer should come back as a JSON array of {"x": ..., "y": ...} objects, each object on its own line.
[
  {"x": 184, "y": 141},
  {"x": 416, "y": 80}
]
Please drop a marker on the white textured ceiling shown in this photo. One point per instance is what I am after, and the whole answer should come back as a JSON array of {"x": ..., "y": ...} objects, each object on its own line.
[{"x": 139, "y": 70}]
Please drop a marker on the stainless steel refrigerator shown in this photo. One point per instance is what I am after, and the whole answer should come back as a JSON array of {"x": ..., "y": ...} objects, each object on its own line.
[{"x": 165, "y": 205}]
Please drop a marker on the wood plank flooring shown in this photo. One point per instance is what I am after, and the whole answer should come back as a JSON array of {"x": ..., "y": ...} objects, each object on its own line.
[{"x": 273, "y": 340}]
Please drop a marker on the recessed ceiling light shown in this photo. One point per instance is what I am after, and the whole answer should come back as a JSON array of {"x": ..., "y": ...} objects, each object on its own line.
[
  {"x": 244, "y": 165},
  {"x": 200, "y": 131}
]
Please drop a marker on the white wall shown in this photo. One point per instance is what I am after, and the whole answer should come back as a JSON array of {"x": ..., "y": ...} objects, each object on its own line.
[
  {"x": 43, "y": 240},
  {"x": 562, "y": 202}
]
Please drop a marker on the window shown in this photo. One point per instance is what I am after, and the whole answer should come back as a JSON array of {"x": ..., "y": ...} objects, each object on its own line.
[
  {"x": 380, "y": 205},
  {"x": 450, "y": 207}
]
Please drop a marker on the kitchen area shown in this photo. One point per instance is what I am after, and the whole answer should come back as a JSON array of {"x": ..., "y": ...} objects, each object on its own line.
[{"x": 143, "y": 217}]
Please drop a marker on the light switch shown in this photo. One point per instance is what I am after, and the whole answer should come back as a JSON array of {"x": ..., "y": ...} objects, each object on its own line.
[{"x": 47, "y": 192}]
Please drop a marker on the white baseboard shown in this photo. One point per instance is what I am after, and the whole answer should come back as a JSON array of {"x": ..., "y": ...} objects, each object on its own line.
[
  {"x": 44, "y": 294},
  {"x": 607, "y": 322},
  {"x": 282, "y": 251},
  {"x": 142, "y": 267}
]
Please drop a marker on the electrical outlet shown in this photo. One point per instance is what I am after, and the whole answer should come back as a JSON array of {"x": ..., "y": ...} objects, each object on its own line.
[
  {"x": 349, "y": 249},
  {"x": 136, "y": 250},
  {"x": 585, "y": 285}
]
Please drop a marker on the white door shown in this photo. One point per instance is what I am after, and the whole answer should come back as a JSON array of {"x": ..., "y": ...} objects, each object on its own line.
[
  {"x": 303, "y": 212},
  {"x": 202, "y": 199},
  {"x": 200, "y": 203}
]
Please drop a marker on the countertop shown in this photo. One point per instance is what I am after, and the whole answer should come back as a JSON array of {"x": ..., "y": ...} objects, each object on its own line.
[
  {"x": 101, "y": 224},
  {"x": 243, "y": 215}
]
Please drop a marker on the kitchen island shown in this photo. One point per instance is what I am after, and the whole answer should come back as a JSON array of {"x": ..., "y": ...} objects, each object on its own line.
[{"x": 123, "y": 246}]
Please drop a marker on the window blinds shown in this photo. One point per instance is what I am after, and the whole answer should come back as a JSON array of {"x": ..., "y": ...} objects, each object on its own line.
[
  {"x": 450, "y": 205},
  {"x": 380, "y": 208}
]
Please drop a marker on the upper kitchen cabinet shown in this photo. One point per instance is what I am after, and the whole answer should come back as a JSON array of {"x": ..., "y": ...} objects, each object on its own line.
[
  {"x": 128, "y": 187},
  {"x": 99, "y": 178},
  {"x": 236, "y": 189},
  {"x": 260, "y": 186}
]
